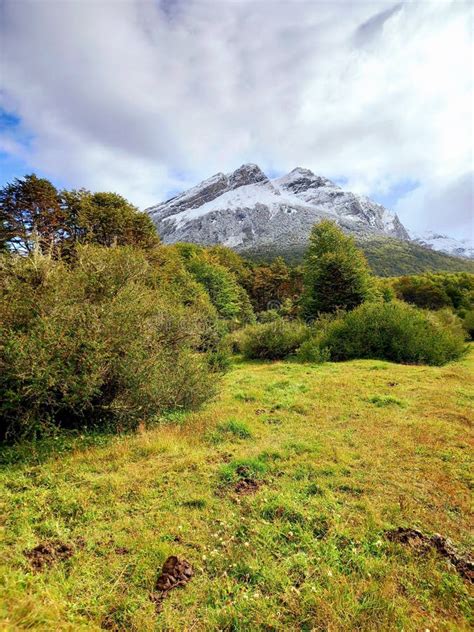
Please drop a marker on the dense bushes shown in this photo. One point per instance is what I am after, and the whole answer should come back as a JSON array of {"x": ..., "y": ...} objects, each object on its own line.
[
  {"x": 468, "y": 323},
  {"x": 392, "y": 331},
  {"x": 107, "y": 340},
  {"x": 435, "y": 291},
  {"x": 272, "y": 341}
]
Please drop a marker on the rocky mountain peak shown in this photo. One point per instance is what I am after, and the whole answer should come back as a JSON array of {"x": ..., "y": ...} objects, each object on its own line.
[
  {"x": 301, "y": 179},
  {"x": 246, "y": 174},
  {"x": 245, "y": 209}
]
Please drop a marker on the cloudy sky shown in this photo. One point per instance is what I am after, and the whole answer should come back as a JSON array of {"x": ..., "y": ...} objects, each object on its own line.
[{"x": 148, "y": 97}]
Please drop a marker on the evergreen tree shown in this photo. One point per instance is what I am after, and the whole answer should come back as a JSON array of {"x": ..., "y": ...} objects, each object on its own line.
[{"x": 335, "y": 272}]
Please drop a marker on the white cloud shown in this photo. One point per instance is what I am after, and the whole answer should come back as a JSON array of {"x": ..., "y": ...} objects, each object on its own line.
[
  {"x": 149, "y": 97},
  {"x": 446, "y": 205}
]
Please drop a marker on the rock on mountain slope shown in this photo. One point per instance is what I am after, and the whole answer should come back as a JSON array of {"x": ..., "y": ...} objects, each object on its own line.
[
  {"x": 442, "y": 243},
  {"x": 245, "y": 209}
]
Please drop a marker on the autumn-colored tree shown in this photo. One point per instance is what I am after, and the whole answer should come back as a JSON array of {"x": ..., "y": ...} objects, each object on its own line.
[
  {"x": 30, "y": 215},
  {"x": 273, "y": 284}
]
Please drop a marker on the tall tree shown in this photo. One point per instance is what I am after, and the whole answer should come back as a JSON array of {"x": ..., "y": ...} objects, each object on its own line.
[
  {"x": 336, "y": 274},
  {"x": 108, "y": 218},
  {"x": 30, "y": 215}
]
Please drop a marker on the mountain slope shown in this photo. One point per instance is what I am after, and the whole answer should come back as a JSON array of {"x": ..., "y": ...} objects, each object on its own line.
[
  {"x": 245, "y": 209},
  {"x": 443, "y": 243},
  {"x": 386, "y": 257},
  {"x": 265, "y": 218}
]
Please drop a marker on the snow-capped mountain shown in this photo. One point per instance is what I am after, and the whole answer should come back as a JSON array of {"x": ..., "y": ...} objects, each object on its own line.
[
  {"x": 443, "y": 243},
  {"x": 245, "y": 209}
]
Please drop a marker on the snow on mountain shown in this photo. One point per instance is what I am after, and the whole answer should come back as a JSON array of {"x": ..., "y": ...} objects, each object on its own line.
[
  {"x": 443, "y": 243},
  {"x": 244, "y": 209}
]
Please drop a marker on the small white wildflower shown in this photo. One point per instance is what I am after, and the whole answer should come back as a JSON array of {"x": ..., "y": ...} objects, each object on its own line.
[{"x": 329, "y": 573}]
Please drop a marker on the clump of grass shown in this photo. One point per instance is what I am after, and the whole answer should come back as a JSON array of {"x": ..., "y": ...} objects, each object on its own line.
[
  {"x": 245, "y": 397},
  {"x": 195, "y": 503},
  {"x": 240, "y": 469},
  {"x": 381, "y": 401},
  {"x": 229, "y": 429},
  {"x": 235, "y": 427},
  {"x": 280, "y": 508},
  {"x": 313, "y": 489}
]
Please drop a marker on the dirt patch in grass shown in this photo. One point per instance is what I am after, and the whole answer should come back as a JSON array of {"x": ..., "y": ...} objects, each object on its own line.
[
  {"x": 122, "y": 550},
  {"x": 175, "y": 572},
  {"x": 417, "y": 540},
  {"x": 247, "y": 486},
  {"x": 48, "y": 553}
]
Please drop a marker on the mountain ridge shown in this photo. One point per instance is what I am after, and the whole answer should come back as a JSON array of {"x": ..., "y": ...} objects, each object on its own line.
[
  {"x": 248, "y": 212},
  {"x": 244, "y": 209}
]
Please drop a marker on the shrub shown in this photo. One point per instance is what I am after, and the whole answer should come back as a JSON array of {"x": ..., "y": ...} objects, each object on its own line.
[
  {"x": 219, "y": 359},
  {"x": 268, "y": 316},
  {"x": 468, "y": 323},
  {"x": 101, "y": 342},
  {"x": 392, "y": 331},
  {"x": 228, "y": 297},
  {"x": 274, "y": 340},
  {"x": 435, "y": 291},
  {"x": 312, "y": 352}
]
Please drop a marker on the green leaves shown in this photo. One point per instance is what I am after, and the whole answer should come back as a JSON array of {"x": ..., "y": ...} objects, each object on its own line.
[{"x": 336, "y": 274}]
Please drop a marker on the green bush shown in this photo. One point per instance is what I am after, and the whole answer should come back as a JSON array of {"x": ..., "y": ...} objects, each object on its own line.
[
  {"x": 272, "y": 341},
  {"x": 312, "y": 352},
  {"x": 268, "y": 316},
  {"x": 228, "y": 297},
  {"x": 435, "y": 291},
  {"x": 468, "y": 323},
  {"x": 392, "y": 331},
  {"x": 104, "y": 341}
]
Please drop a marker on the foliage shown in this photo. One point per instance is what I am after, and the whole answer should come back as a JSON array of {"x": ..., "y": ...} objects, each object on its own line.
[
  {"x": 468, "y": 323},
  {"x": 274, "y": 340},
  {"x": 228, "y": 297},
  {"x": 107, "y": 219},
  {"x": 30, "y": 215},
  {"x": 387, "y": 257},
  {"x": 390, "y": 257},
  {"x": 34, "y": 214},
  {"x": 311, "y": 351},
  {"x": 268, "y": 316},
  {"x": 435, "y": 291},
  {"x": 271, "y": 285},
  {"x": 392, "y": 331},
  {"x": 336, "y": 274},
  {"x": 90, "y": 342}
]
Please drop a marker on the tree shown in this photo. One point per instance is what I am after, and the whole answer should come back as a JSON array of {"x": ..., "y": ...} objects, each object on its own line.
[
  {"x": 30, "y": 215},
  {"x": 336, "y": 274},
  {"x": 108, "y": 219}
]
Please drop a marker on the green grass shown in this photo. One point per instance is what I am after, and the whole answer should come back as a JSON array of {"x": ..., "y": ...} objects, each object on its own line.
[{"x": 338, "y": 461}]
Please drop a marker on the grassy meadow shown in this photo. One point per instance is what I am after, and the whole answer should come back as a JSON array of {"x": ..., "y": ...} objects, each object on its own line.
[{"x": 331, "y": 457}]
